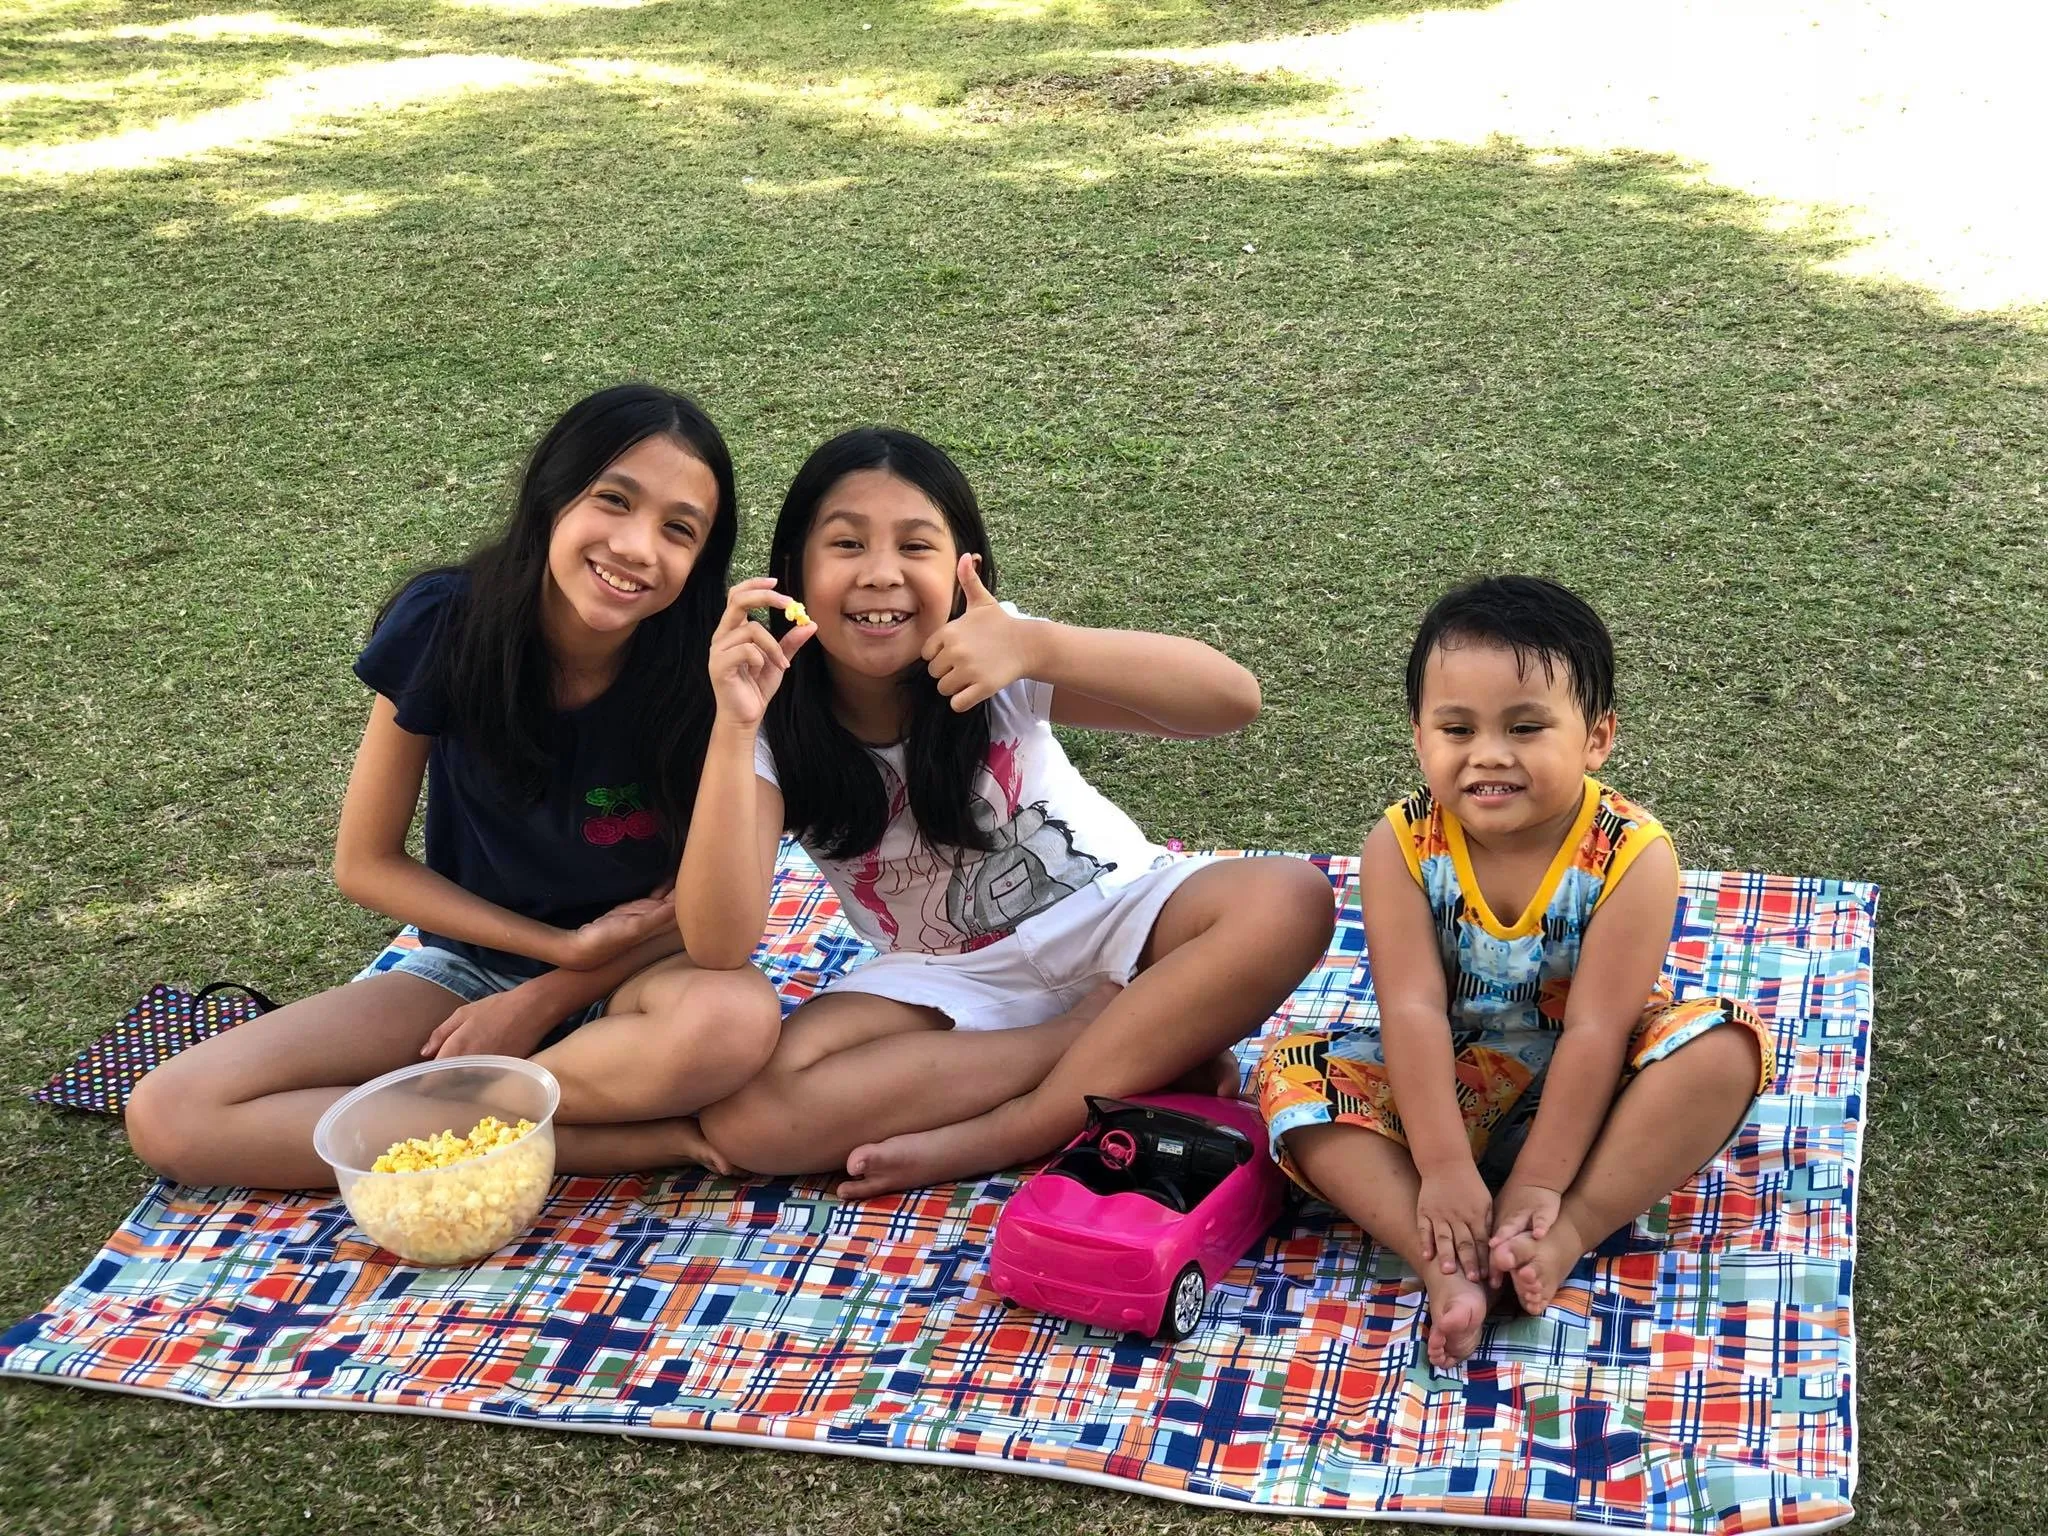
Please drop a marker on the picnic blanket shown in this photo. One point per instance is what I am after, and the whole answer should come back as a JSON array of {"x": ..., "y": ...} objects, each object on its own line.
[{"x": 1695, "y": 1376}]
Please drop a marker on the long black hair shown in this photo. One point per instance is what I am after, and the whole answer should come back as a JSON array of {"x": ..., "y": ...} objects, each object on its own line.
[
  {"x": 492, "y": 663},
  {"x": 1540, "y": 621},
  {"x": 833, "y": 794}
]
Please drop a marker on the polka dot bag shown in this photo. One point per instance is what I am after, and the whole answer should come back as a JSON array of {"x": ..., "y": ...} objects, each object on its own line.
[{"x": 166, "y": 1021}]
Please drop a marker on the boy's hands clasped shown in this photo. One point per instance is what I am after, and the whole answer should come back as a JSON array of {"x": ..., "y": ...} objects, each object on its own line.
[
  {"x": 979, "y": 654},
  {"x": 1454, "y": 1214},
  {"x": 1465, "y": 1228},
  {"x": 1524, "y": 1208}
]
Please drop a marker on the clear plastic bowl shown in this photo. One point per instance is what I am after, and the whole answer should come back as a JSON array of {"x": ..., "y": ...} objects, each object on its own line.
[{"x": 456, "y": 1214}]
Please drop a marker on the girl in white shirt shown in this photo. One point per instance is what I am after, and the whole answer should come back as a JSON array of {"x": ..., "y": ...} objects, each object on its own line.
[{"x": 1036, "y": 947}]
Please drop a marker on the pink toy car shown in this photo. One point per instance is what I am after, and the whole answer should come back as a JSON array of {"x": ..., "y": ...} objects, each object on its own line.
[{"x": 1155, "y": 1201}]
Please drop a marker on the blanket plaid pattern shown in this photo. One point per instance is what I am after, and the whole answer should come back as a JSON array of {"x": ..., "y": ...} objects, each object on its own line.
[{"x": 1695, "y": 1376}]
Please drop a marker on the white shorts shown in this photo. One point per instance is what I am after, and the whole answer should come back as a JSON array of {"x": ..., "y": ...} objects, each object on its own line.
[{"x": 1044, "y": 968}]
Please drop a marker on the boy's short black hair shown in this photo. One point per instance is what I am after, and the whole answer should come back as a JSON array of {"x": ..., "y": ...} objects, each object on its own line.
[{"x": 1536, "y": 619}]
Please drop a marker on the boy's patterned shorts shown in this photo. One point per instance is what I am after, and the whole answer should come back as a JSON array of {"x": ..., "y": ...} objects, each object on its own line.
[{"x": 1324, "y": 1079}]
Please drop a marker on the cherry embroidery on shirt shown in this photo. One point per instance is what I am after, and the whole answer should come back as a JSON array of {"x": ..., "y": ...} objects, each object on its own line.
[{"x": 620, "y": 815}]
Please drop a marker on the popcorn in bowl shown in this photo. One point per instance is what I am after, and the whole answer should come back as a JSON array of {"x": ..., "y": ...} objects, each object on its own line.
[
  {"x": 454, "y": 1211},
  {"x": 436, "y": 1194},
  {"x": 443, "y": 1148}
]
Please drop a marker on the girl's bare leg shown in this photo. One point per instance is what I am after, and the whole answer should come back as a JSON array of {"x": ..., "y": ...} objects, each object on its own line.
[
  {"x": 1228, "y": 947},
  {"x": 240, "y": 1108},
  {"x": 851, "y": 1066},
  {"x": 1372, "y": 1180},
  {"x": 1667, "y": 1123},
  {"x": 673, "y": 1039}
]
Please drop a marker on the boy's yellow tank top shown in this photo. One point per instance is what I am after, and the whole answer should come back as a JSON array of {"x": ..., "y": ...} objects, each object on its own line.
[{"x": 1514, "y": 974}]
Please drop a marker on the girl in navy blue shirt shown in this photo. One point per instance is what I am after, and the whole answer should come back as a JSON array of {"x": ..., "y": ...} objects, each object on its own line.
[{"x": 552, "y": 693}]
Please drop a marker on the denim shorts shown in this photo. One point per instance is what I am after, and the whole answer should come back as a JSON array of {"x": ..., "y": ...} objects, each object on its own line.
[{"x": 472, "y": 983}]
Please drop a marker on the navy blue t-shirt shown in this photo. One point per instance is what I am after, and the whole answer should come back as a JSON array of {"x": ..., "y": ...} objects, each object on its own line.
[{"x": 589, "y": 843}]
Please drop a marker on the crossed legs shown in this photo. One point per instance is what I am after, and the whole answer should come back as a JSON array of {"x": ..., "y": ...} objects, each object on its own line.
[
  {"x": 889, "y": 1093},
  {"x": 240, "y": 1108}
]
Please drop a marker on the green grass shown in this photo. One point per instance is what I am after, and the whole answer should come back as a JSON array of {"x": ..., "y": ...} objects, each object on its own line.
[{"x": 240, "y": 395}]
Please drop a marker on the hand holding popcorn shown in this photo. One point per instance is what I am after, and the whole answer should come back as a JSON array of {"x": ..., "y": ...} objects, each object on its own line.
[{"x": 746, "y": 661}]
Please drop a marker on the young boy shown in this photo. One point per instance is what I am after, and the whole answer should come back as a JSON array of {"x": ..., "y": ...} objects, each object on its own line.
[{"x": 1517, "y": 914}]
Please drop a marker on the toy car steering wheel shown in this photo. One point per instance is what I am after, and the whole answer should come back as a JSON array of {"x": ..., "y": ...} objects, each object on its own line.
[{"x": 1117, "y": 1149}]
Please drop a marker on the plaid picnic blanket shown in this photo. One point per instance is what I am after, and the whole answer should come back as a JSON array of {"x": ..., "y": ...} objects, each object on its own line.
[{"x": 1695, "y": 1376}]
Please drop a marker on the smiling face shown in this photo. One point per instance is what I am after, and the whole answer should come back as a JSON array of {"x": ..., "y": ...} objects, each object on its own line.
[
  {"x": 621, "y": 551},
  {"x": 1503, "y": 744},
  {"x": 878, "y": 566}
]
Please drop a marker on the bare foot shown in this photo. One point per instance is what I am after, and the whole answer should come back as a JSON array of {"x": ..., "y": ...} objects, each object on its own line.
[
  {"x": 1007, "y": 1135},
  {"x": 1457, "y": 1312},
  {"x": 1538, "y": 1266},
  {"x": 686, "y": 1144},
  {"x": 910, "y": 1161},
  {"x": 637, "y": 1146}
]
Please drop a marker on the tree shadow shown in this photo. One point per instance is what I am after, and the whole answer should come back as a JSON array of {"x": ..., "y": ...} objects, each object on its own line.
[{"x": 85, "y": 69}]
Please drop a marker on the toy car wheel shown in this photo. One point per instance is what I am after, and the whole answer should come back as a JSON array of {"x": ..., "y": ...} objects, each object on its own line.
[{"x": 1184, "y": 1304}]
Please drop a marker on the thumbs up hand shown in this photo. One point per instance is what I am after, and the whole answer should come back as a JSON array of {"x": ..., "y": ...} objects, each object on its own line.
[{"x": 983, "y": 651}]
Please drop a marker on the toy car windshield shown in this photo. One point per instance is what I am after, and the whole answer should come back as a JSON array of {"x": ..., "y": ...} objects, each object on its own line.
[{"x": 1176, "y": 1159}]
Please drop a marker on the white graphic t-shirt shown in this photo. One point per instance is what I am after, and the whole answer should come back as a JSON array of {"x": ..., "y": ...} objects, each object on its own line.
[{"x": 1053, "y": 835}]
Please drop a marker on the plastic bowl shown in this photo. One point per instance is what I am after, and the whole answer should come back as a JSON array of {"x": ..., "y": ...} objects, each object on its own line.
[{"x": 456, "y": 1214}]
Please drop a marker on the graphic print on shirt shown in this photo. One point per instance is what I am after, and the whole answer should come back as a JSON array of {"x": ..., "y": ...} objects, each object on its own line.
[
  {"x": 1033, "y": 865},
  {"x": 620, "y": 815},
  {"x": 970, "y": 899}
]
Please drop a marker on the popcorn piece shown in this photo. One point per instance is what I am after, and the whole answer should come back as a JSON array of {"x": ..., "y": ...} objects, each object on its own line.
[
  {"x": 796, "y": 615},
  {"x": 444, "y": 1199}
]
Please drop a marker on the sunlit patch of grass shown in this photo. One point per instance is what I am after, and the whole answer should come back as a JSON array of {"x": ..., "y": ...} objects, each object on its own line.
[
  {"x": 547, "y": 7},
  {"x": 819, "y": 186},
  {"x": 324, "y": 207},
  {"x": 236, "y": 27},
  {"x": 80, "y": 105},
  {"x": 1914, "y": 130},
  {"x": 299, "y": 102}
]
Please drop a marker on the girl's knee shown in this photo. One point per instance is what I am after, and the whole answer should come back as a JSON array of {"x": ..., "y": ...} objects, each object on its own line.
[
  {"x": 1298, "y": 909},
  {"x": 747, "y": 1015},
  {"x": 165, "y": 1125},
  {"x": 736, "y": 1013}
]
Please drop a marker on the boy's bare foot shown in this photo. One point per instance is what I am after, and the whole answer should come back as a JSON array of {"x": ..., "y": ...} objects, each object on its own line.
[
  {"x": 1457, "y": 1312},
  {"x": 1011, "y": 1133},
  {"x": 1538, "y": 1266}
]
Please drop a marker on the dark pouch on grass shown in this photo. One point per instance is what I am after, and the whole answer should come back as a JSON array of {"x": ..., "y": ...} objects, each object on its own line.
[{"x": 163, "y": 1022}]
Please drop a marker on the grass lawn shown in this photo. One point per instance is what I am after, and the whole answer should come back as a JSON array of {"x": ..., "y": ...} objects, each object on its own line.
[{"x": 258, "y": 361}]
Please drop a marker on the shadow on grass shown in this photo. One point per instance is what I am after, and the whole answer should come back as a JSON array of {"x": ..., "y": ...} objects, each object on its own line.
[
  {"x": 78, "y": 71},
  {"x": 1276, "y": 400}
]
